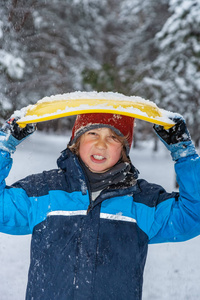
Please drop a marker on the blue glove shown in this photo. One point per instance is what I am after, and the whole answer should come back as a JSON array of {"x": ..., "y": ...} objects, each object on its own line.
[
  {"x": 177, "y": 139},
  {"x": 12, "y": 135}
]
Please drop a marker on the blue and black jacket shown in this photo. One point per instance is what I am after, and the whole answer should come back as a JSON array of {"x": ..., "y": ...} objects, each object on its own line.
[{"x": 97, "y": 253}]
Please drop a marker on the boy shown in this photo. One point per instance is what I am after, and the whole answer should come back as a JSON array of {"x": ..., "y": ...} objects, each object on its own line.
[{"x": 92, "y": 220}]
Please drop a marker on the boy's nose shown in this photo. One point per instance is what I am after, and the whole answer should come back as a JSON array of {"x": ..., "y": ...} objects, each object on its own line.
[{"x": 101, "y": 144}]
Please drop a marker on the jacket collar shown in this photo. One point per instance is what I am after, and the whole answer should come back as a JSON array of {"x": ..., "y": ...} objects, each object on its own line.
[{"x": 70, "y": 164}]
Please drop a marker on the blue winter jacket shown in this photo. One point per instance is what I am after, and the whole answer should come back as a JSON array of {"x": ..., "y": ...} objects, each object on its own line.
[{"x": 100, "y": 252}]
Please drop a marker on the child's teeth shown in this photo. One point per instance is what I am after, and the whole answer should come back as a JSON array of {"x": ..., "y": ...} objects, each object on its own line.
[{"x": 99, "y": 157}]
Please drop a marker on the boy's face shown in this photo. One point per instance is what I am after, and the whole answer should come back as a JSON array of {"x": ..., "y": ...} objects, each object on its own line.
[{"x": 100, "y": 149}]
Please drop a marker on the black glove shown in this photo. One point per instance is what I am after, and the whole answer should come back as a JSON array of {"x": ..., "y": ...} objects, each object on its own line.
[
  {"x": 176, "y": 134},
  {"x": 12, "y": 127},
  {"x": 177, "y": 139}
]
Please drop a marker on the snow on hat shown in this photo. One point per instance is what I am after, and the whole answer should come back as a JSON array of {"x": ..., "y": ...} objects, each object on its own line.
[{"x": 120, "y": 124}]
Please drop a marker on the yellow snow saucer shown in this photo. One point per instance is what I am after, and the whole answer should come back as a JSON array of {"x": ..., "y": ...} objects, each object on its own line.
[{"x": 48, "y": 110}]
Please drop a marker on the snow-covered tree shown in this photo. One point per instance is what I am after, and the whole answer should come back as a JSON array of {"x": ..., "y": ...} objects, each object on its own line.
[
  {"x": 45, "y": 46},
  {"x": 139, "y": 22},
  {"x": 13, "y": 67},
  {"x": 105, "y": 77},
  {"x": 130, "y": 29},
  {"x": 67, "y": 39},
  {"x": 176, "y": 81}
]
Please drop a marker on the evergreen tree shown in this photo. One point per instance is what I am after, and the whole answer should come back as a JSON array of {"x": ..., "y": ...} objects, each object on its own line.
[
  {"x": 139, "y": 22},
  {"x": 12, "y": 66},
  {"x": 45, "y": 46},
  {"x": 177, "y": 68}
]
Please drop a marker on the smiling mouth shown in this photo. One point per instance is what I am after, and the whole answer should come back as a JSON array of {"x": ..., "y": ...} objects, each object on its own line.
[{"x": 98, "y": 158}]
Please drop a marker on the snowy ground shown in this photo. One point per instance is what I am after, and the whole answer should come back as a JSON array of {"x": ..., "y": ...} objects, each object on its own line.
[{"x": 172, "y": 271}]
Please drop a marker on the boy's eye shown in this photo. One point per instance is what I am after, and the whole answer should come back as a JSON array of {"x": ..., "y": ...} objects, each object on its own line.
[
  {"x": 114, "y": 138},
  {"x": 91, "y": 133}
]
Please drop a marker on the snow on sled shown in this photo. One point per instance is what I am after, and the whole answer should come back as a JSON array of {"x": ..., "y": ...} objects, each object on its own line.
[{"x": 59, "y": 106}]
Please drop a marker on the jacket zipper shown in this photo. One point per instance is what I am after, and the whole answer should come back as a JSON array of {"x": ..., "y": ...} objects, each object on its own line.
[{"x": 90, "y": 206}]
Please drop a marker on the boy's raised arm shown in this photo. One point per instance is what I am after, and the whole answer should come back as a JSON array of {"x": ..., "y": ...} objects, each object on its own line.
[
  {"x": 12, "y": 207},
  {"x": 179, "y": 219}
]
